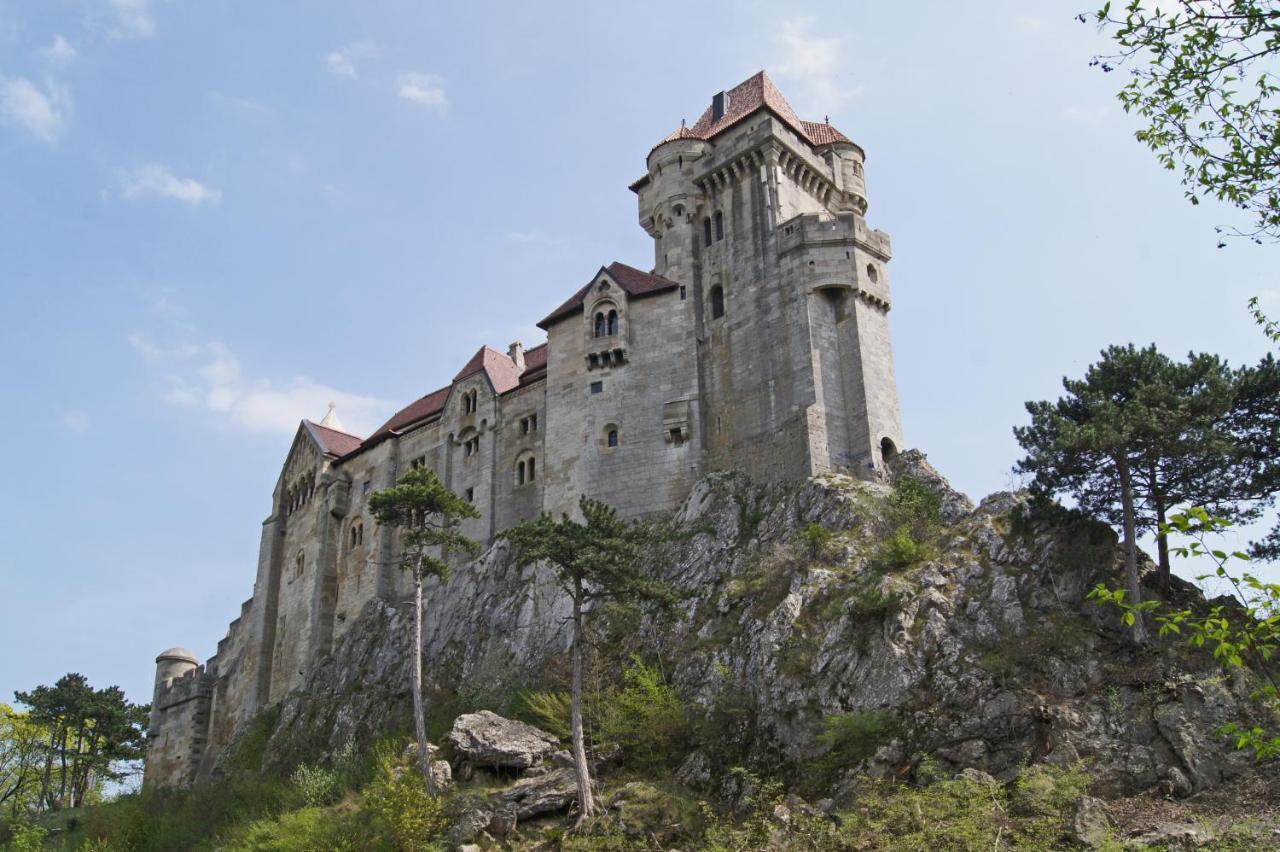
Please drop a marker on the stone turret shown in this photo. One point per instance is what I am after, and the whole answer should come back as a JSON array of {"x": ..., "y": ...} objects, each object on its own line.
[{"x": 170, "y": 665}]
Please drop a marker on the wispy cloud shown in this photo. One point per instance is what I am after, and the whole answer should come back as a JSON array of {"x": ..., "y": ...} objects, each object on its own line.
[
  {"x": 816, "y": 60},
  {"x": 39, "y": 110},
  {"x": 132, "y": 19},
  {"x": 240, "y": 104},
  {"x": 209, "y": 378},
  {"x": 424, "y": 89},
  {"x": 156, "y": 181},
  {"x": 59, "y": 52},
  {"x": 342, "y": 62}
]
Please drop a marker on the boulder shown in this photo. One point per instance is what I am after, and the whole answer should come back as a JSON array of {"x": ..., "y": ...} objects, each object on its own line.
[
  {"x": 541, "y": 794},
  {"x": 487, "y": 739},
  {"x": 1090, "y": 823}
]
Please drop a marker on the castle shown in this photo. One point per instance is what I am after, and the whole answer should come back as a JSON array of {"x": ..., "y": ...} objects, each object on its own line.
[{"x": 758, "y": 342}]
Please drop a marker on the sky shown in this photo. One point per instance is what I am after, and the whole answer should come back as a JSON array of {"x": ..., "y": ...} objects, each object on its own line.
[{"x": 217, "y": 216}]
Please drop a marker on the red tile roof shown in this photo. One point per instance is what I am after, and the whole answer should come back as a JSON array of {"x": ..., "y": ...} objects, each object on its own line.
[
  {"x": 498, "y": 366},
  {"x": 751, "y": 95},
  {"x": 630, "y": 279},
  {"x": 421, "y": 409},
  {"x": 332, "y": 441}
]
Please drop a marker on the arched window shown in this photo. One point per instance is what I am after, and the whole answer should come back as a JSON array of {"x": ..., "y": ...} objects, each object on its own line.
[
  {"x": 531, "y": 465},
  {"x": 299, "y": 564},
  {"x": 611, "y": 438},
  {"x": 887, "y": 450},
  {"x": 520, "y": 472},
  {"x": 719, "y": 226},
  {"x": 706, "y": 231},
  {"x": 600, "y": 326},
  {"x": 872, "y": 273},
  {"x": 717, "y": 302},
  {"x": 613, "y": 323},
  {"x": 357, "y": 533}
]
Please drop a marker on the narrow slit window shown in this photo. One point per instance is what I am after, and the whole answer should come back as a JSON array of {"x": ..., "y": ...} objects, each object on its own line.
[
  {"x": 706, "y": 231},
  {"x": 719, "y": 226}
]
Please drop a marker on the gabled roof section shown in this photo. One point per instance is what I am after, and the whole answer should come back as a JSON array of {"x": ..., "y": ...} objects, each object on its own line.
[
  {"x": 748, "y": 97},
  {"x": 635, "y": 283},
  {"x": 502, "y": 371},
  {"x": 420, "y": 409},
  {"x": 331, "y": 441}
]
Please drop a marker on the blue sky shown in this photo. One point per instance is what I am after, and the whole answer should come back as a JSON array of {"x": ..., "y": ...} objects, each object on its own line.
[{"x": 217, "y": 216}]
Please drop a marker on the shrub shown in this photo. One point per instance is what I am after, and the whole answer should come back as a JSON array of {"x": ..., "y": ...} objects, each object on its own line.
[
  {"x": 818, "y": 542},
  {"x": 848, "y": 739},
  {"x": 399, "y": 803},
  {"x": 317, "y": 785},
  {"x": 646, "y": 718},
  {"x": 900, "y": 550},
  {"x": 917, "y": 505},
  {"x": 306, "y": 830},
  {"x": 27, "y": 838},
  {"x": 547, "y": 710}
]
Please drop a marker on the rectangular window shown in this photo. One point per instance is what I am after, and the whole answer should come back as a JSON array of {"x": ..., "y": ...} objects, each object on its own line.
[
  {"x": 682, "y": 293},
  {"x": 470, "y": 495},
  {"x": 364, "y": 489},
  {"x": 597, "y": 387},
  {"x": 677, "y": 438}
]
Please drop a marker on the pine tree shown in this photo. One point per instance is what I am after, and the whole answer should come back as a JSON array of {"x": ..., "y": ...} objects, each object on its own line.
[
  {"x": 427, "y": 515},
  {"x": 594, "y": 560}
]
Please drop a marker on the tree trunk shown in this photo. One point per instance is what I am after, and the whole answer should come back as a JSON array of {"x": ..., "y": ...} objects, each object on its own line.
[
  {"x": 1162, "y": 541},
  {"x": 1131, "y": 547},
  {"x": 586, "y": 801},
  {"x": 419, "y": 713}
]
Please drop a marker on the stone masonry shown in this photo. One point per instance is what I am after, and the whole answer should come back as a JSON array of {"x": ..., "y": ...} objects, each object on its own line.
[{"x": 758, "y": 342}]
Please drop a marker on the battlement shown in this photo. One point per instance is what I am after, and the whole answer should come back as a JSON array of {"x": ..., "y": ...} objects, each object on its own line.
[{"x": 818, "y": 229}]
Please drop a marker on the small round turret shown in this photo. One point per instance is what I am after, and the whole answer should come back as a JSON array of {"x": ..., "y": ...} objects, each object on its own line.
[{"x": 174, "y": 663}]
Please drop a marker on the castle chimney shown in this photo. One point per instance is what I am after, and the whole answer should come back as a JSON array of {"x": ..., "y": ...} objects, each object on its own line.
[
  {"x": 516, "y": 353},
  {"x": 719, "y": 103}
]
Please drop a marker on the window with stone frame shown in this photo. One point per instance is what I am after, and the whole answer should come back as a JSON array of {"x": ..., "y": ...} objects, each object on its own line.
[{"x": 717, "y": 302}]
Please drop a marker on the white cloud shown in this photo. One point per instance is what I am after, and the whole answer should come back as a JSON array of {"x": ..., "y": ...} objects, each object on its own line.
[
  {"x": 424, "y": 89},
  {"x": 816, "y": 61},
  {"x": 39, "y": 111},
  {"x": 132, "y": 18},
  {"x": 76, "y": 421},
  {"x": 242, "y": 104},
  {"x": 60, "y": 52},
  {"x": 209, "y": 378},
  {"x": 155, "y": 180},
  {"x": 342, "y": 62}
]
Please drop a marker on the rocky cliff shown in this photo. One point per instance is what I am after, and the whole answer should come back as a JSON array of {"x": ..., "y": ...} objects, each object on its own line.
[{"x": 966, "y": 626}]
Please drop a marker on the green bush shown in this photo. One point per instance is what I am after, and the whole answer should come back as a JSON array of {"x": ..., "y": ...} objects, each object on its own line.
[
  {"x": 847, "y": 739},
  {"x": 646, "y": 718},
  {"x": 917, "y": 505},
  {"x": 401, "y": 808},
  {"x": 900, "y": 550},
  {"x": 310, "y": 829},
  {"x": 27, "y": 838},
  {"x": 818, "y": 542},
  {"x": 548, "y": 710},
  {"x": 317, "y": 785}
]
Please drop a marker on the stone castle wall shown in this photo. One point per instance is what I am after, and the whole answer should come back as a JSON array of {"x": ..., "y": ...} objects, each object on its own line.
[{"x": 760, "y": 343}]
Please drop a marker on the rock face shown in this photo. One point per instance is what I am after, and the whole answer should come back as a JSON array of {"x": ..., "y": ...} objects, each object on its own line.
[
  {"x": 487, "y": 739},
  {"x": 541, "y": 794},
  {"x": 981, "y": 648}
]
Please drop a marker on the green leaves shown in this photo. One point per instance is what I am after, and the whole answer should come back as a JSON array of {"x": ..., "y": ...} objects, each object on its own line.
[
  {"x": 1203, "y": 79},
  {"x": 1245, "y": 636},
  {"x": 427, "y": 514}
]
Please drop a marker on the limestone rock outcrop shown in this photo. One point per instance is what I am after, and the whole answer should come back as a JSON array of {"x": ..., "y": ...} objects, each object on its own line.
[{"x": 983, "y": 649}]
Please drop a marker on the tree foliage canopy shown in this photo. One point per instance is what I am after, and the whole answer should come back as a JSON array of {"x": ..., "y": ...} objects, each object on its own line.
[
  {"x": 427, "y": 514},
  {"x": 1204, "y": 81}
]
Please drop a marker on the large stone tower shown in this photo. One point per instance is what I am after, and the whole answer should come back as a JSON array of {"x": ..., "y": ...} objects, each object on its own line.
[{"x": 761, "y": 215}]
